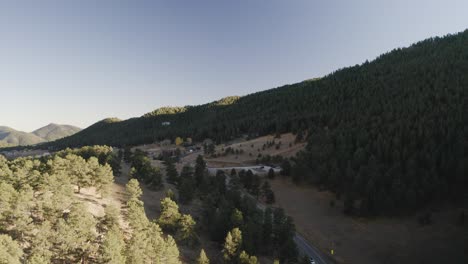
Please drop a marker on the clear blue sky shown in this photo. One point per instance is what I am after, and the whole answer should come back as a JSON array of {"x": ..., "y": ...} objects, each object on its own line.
[{"x": 77, "y": 62}]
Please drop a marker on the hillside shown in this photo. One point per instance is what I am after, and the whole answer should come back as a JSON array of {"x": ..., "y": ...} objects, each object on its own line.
[
  {"x": 387, "y": 134},
  {"x": 394, "y": 81},
  {"x": 10, "y": 137},
  {"x": 53, "y": 131}
]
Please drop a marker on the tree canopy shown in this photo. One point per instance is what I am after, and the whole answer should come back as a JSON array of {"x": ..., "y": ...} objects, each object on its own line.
[{"x": 42, "y": 220}]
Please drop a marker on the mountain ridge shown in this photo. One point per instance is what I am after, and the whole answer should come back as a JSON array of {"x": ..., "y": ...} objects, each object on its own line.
[
  {"x": 279, "y": 109},
  {"x": 54, "y": 131},
  {"x": 10, "y": 137}
]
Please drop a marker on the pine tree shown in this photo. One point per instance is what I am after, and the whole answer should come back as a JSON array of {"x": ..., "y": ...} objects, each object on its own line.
[
  {"x": 170, "y": 214},
  {"x": 41, "y": 243},
  {"x": 127, "y": 154},
  {"x": 171, "y": 195},
  {"x": 20, "y": 215},
  {"x": 155, "y": 181},
  {"x": 76, "y": 232},
  {"x": 186, "y": 191},
  {"x": 111, "y": 216},
  {"x": 271, "y": 173},
  {"x": 57, "y": 196},
  {"x": 7, "y": 196},
  {"x": 234, "y": 183},
  {"x": 286, "y": 168},
  {"x": 171, "y": 172},
  {"x": 255, "y": 188},
  {"x": 133, "y": 190},
  {"x": 135, "y": 251},
  {"x": 200, "y": 168},
  {"x": 136, "y": 215},
  {"x": 268, "y": 193},
  {"x": 186, "y": 230},
  {"x": 79, "y": 171},
  {"x": 244, "y": 258},
  {"x": 37, "y": 259},
  {"x": 203, "y": 258},
  {"x": 149, "y": 246},
  {"x": 113, "y": 246},
  {"x": 187, "y": 172},
  {"x": 10, "y": 251},
  {"x": 133, "y": 173},
  {"x": 237, "y": 219},
  {"x": 114, "y": 161},
  {"x": 187, "y": 185},
  {"x": 305, "y": 260},
  {"x": 155, "y": 244},
  {"x": 103, "y": 179},
  {"x": 171, "y": 252},
  {"x": 289, "y": 251},
  {"x": 232, "y": 244},
  {"x": 221, "y": 181},
  {"x": 267, "y": 228}
]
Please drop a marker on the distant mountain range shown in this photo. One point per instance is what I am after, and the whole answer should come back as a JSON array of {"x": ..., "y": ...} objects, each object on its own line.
[{"x": 10, "y": 137}]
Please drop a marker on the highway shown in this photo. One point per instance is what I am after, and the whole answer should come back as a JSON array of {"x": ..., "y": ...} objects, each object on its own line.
[{"x": 309, "y": 250}]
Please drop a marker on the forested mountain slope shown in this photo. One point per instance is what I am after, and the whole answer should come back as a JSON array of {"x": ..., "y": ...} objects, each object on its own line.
[
  {"x": 426, "y": 79},
  {"x": 392, "y": 130}
]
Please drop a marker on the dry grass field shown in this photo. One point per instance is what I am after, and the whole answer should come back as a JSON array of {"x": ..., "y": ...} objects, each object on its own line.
[
  {"x": 368, "y": 241},
  {"x": 253, "y": 147}
]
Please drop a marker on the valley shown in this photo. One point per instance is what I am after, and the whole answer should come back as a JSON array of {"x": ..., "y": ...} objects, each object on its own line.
[
  {"x": 366, "y": 164},
  {"x": 352, "y": 239}
]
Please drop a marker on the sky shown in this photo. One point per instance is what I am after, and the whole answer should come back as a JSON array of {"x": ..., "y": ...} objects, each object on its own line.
[{"x": 78, "y": 62}]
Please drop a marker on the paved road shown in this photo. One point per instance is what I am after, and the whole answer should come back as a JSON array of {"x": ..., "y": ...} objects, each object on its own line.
[
  {"x": 305, "y": 248},
  {"x": 257, "y": 169},
  {"x": 309, "y": 249}
]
